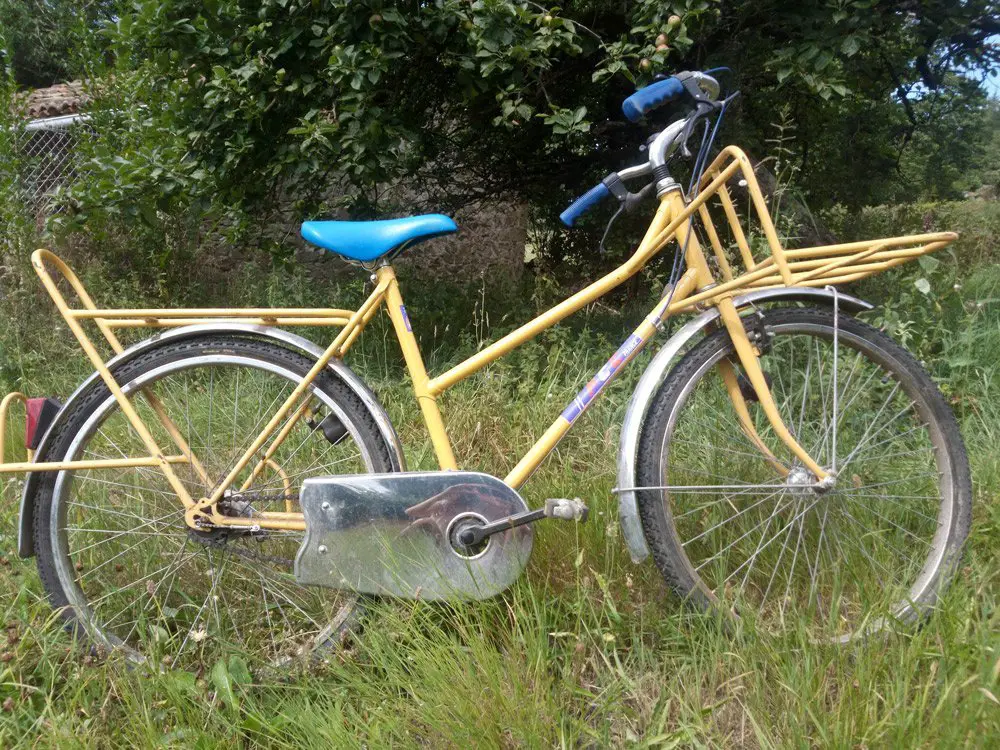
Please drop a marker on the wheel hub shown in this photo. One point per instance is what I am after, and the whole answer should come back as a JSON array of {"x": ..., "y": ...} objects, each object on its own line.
[
  {"x": 231, "y": 506},
  {"x": 801, "y": 482}
]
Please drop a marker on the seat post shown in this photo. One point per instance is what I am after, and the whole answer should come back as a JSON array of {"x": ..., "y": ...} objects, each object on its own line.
[{"x": 415, "y": 366}]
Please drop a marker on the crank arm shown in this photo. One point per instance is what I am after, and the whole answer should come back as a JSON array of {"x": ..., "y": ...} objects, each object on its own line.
[{"x": 567, "y": 510}]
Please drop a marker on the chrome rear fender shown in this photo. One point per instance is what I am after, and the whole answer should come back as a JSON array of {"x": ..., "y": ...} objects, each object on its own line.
[
  {"x": 25, "y": 541},
  {"x": 657, "y": 371}
]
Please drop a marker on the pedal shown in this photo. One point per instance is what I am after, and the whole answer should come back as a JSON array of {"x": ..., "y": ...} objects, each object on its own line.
[{"x": 566, "y": 510}]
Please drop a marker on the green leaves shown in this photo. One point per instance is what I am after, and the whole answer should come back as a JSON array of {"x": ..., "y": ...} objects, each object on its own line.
[
  {"x": 850, "y": 45},
  {"x": 299, "y": 94},
  {"x": 228, "y": 677},
  {"x": 245, "y": 108},
  {"x": 568, "y": 121}
]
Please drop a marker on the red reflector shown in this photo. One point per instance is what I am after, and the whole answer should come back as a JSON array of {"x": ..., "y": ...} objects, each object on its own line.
[
  {"x": 34, "y": 409},
  {"x": 40, "y": 412}
]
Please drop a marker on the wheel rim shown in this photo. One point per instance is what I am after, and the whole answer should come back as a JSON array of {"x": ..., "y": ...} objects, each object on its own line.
[
  {"x": 844, "y": 562},
  {"x": 140, "y": 581}
]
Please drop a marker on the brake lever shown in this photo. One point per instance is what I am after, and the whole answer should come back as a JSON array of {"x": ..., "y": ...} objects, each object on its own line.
[
  {"x": 634, "y": 200},
  {"x": 702, "y": 109},
  {"x": 685, "y": 135},
  {"x": 628, "y": 200}
]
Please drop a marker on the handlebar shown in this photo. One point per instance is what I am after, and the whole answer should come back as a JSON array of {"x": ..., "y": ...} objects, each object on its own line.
[
  {"x": 701, "y": 90},
  {"x": 584, "y": 203},
  {"x": 652, "y": 96}
]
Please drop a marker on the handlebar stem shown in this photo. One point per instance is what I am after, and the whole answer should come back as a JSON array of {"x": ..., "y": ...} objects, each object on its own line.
[{"x": 660, "y": 150}]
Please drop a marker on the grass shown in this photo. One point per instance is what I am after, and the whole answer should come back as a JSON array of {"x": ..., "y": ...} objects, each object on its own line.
[{"x": 586, "y": 650}]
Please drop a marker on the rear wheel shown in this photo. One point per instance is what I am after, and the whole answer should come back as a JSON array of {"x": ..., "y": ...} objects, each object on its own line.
[
  {"x": 114, "y": 551},
  {"x": 729, "y": 531}
]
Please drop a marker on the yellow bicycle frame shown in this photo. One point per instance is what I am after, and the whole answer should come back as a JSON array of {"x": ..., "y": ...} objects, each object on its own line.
[{"x": 698, "y": 286}]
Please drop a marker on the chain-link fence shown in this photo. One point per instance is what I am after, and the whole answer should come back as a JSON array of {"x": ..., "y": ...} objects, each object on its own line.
[{"x": 46, "y": 152}]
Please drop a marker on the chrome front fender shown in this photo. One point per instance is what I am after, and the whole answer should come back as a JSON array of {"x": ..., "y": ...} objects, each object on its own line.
[
  {"x": 656, "y": 371},
  {"x": 25, "y": 541}
]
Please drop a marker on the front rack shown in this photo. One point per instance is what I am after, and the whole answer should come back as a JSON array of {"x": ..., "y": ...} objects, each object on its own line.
[{"x": 736, "y": 248}]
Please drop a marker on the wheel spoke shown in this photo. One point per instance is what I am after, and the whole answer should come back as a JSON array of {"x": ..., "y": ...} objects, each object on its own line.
[
  {"x": 124, "y": 532},
  {"x": 769, "y": 543}
]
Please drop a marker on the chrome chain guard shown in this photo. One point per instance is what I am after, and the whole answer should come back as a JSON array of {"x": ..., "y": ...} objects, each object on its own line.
[{"x": 392, "y": 534}]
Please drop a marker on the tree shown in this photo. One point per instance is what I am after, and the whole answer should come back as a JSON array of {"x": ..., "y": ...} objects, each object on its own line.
[
  {"x": 43, "y": 36},
  {"x": 247, "y": 105}
]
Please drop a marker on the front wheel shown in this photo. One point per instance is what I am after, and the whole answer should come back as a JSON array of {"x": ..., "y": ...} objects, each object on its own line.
[{"x": 732, "y": 532}]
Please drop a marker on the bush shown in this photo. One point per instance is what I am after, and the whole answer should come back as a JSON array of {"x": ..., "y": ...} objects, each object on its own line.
[{"x": 945, "y": 307}]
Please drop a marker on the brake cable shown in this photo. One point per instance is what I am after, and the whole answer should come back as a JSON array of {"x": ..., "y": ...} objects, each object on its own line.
[{"x": 694, "y": 186}]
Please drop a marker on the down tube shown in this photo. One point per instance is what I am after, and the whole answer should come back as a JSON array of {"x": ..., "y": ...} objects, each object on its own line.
[{"x": 625, "y": 354}]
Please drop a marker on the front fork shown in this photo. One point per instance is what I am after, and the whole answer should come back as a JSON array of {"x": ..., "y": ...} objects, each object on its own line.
[{"x": 746, "y": 351}]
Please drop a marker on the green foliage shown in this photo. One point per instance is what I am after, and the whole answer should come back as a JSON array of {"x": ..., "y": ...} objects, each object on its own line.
[
  {"x": 44, "y": 37},
  {"x": 13, "y": 222},
  {"x": 947, "y": 305},
  {"x": 238, "y": 109},
  {"x": 887, "y": 98},
  {"x": 984, "y": 176},
  {"x": 305, "y": 96}
]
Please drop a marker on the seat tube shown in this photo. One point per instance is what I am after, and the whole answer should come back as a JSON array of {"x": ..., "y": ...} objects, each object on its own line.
[{"x": 415, "y": 366}]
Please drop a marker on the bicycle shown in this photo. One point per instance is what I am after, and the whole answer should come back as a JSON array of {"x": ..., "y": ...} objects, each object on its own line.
[{"x": 226, "y": 484}]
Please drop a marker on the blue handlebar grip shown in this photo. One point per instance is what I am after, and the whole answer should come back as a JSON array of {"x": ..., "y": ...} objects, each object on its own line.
[
  {"x": 651, "y": 97},
  {"x": 584, "y": 203}
]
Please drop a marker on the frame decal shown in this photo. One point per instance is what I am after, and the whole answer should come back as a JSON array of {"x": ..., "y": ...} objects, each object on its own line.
[{"x": 590, "y": 391}]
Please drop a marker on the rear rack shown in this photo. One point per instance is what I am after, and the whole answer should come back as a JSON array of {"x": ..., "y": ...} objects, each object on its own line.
[
  {"x": 50, "y": 267},
  {"x": 109, "y": 319}
]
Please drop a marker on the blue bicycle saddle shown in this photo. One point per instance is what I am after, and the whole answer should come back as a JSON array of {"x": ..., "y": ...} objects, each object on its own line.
[{"x": 369, "y": 240}]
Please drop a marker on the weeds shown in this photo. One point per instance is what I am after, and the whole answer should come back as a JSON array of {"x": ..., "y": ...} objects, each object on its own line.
[{"x": 586, "y": 650}]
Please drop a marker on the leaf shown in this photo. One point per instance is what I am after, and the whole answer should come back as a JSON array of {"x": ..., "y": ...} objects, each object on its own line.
[
  {"x": 929, "y": 263},
  {"x": 253, "y": 724},
  {"x": 923, "y": 285},
  {"x": 223, "y": 683},
  {"x": 184, "y": 682},
  {"x": 850, "y": 46},
  {"x": 239, "y": 671},
  {"x": 148, "y": 215}
]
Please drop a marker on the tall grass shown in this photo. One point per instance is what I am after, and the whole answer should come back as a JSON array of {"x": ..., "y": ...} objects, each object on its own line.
[{"x": 586, "y": 650}]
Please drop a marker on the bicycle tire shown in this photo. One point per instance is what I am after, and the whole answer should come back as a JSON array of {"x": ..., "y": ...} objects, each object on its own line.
[
  {"x": 160, "y": 363},
  {"x": 660, "y": 509}
]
